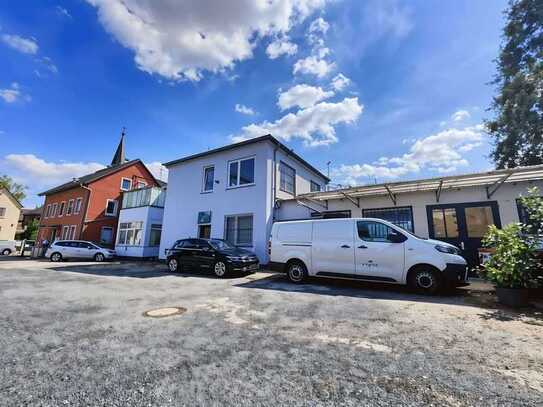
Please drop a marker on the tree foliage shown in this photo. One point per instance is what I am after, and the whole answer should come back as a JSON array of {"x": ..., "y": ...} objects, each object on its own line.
[
  {"x": 31, "y": 231},
  {"x": 17, "y": 190},
  {"x": 517, "y": 128}
]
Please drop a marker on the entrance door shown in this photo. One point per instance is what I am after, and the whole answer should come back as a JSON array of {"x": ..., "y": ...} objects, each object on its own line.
[{"x": 463, "y": 225}]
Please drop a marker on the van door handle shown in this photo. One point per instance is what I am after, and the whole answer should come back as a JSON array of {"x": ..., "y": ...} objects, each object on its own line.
[
  {"x": 362, "y": 247},
  {"x": 345, "y": 246}
]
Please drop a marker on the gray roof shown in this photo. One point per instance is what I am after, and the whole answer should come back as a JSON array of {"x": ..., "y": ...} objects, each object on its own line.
[
  {"x": 268, "y": 137},
  {"x": 87, "y": 179}
]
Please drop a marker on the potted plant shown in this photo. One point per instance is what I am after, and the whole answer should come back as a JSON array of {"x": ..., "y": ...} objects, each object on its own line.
[{"x": 513, "y": 265}]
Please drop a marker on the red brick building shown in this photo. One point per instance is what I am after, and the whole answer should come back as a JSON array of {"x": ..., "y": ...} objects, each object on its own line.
[{"x": 87, "y": 208}]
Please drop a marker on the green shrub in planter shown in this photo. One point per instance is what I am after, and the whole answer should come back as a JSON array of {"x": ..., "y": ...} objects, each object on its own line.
[{"x": 513, "y": 263}]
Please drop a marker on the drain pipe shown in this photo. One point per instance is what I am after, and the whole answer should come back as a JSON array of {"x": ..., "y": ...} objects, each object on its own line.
[{"x": 274, "y": 174}]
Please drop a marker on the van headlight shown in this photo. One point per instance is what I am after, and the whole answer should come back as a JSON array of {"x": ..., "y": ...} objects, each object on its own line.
[{"x": 447, "y": 249}]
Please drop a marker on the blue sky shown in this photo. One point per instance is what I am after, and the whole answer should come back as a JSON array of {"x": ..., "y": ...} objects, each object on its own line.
[{"x": 384, "y": 89}]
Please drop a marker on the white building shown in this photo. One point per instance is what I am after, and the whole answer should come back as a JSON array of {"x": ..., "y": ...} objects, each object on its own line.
[
  {"x": 457, "y": 209},
  {"x": 140, "y": 222},
  {"x": 231, "y": 192}
]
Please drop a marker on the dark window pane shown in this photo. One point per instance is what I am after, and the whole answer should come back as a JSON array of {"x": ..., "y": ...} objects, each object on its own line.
[
  {"x": 373, "y": 231},
  {"x": 245, "y": 230},
  {"x": 401, "y": 217},
  {"x": 247, "y": 172},
  {"x": 230, "y": 233},
  {"x": 209, "y": 178},
  {"x": 233, "y": 174},
  {"x": 315, "y": 187},
  {"x": 287, "y": 181},
  {"x": 478, "y": 219}
]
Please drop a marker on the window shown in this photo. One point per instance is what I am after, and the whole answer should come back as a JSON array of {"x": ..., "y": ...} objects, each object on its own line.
[
  {"x": 204, "y": 231},
  {"x": 126, "y": 184},
  {"x": 71, "y": 233},
  {"x": 141, "y": 184},
  {"x": 372, "y": 231},
  {"x": 209, "y": 179},
  {"x": 399, "y": 216},
  {"x": 130, "y": 233},
  {"x": 65, "y": 232},
  {"x": 241, "y": 172},
  {"x": 478, "y": 219},
  {"x": 287, "y": 178},
  {"x": 315, "y": 187},
  {"x": 54, "y": 208},
  {"x": 61, "y": 208},
  {"x": 77, "y": 208},
  {"x": 2, "y": 212},
  {"x": 70, "y": 208},
  {"x": 111, "y": 207},
  {"x": 331, "y": 214},
  {"x": 445, "y": 223},
  {"x": 47, "y": 211},
  {"x": 239, "y": 230},
  {"x": 156, "y": 231}
]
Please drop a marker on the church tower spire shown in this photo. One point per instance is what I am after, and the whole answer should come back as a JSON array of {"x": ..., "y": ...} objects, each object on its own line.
[{"x": 119, "y": 157}]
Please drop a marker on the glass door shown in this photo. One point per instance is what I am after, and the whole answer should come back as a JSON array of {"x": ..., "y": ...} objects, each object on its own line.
[{"x": 463, "y": 225}]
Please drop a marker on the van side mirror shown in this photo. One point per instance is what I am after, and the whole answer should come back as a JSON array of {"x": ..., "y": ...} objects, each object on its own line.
[{"x": 396, "y": 237}]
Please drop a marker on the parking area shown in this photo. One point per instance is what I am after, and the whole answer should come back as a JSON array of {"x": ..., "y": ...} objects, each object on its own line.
[{"x": 75, "y": 334}]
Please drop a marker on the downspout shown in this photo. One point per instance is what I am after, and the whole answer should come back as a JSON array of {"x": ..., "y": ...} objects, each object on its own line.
[{"x": 274, "y": 174}]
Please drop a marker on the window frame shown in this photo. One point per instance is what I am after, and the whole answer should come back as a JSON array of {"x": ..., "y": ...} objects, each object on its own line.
[
  {"x": 70, "y": 209},
  {"x": 155, "y": 227},
  {"x": 71, "y": 232},
  {"x": 47, "y": 211},
  {"x": 77, "y": 206},
  {"x": 389, "y": 208},
  {"x": 204, "y": 170},
  {"x": 141, "y": 184},
  {"x": 132, "y": 226},
  {"x": 114, "y": 213},
  {"x": 65, "y": 232},
  {"x": 382, "y": 225},
  {"x": 126, "y": 179},
  {"x": 282, "y": 165},
  {"x": 236, "y": 229},
  {"x": 3, "y": 212},
  {"x": 312, "y": 183},
  {"x": 54, "y": 208},
  {"x": 239, "y": 161},
  {"x": 61, "y": 209}
]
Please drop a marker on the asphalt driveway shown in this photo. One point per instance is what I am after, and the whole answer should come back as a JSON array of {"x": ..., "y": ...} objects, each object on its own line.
[{"x": 75, "y": 334}]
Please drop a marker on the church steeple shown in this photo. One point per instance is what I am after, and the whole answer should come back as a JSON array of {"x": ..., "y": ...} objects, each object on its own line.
[{"x": 119, "y": 157}]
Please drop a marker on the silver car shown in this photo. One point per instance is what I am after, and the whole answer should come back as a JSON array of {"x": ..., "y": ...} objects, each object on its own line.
[{"x": 78, "y": 249}]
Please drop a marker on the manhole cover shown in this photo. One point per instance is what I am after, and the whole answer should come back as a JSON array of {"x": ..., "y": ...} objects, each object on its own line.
[{"x": 164, "y": 312}]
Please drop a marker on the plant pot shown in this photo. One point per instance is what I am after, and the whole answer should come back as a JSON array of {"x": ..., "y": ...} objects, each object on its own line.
[{"x": 513, "y": 297}]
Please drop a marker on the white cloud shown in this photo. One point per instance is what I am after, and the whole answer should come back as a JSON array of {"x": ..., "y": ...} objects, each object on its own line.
[
  {"x": 281, "y": 46},
  {"x": 438, "y": 152},
  {"x": 460, "y": 115},
  {"x": 158, "y": 170},
  {"x": 340, "y": 82},
  {"x": 180, "y": 40},
  {"x": 62, "y": 12},
  {"x": 40, "y": 173},
  {"x": 303, "y": 96},
  {"x": 244, "y": 109},
  {"x": 314, "y": 125},
  {"x": 318, "y": 28},
  {"x": 12, "y": 94},
  {"x": 314, "y": 66},
  {"x": 24, "y": 45}
]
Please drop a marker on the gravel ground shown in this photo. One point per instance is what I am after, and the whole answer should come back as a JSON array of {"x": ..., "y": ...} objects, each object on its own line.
[{"x": 75, "y": 334}]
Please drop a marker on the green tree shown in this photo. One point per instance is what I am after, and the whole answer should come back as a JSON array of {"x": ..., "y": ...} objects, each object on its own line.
[
  {"x": 31, "y": 231},
  {"x": 517, "y": 128},
  {"x": 17, "y": 190}
]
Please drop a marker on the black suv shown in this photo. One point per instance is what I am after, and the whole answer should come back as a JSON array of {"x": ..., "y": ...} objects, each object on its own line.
[{"x": 210, "y": 254}]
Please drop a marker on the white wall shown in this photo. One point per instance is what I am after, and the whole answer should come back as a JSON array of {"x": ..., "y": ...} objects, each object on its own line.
[
  {"x": 505, "y": 197},
  {"x": 148, "y": 215},
  {"x": 185, "y": 197}
]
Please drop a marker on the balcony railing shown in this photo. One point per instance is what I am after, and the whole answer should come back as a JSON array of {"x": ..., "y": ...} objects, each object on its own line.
[{"x": 150, "y": 196}]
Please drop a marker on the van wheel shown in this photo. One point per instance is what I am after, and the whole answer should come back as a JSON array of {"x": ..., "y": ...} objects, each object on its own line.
[
  {"x": 6, "y": 252},
  {"x": 296, "y": 272},
  {"x": 425, "y": 279}
]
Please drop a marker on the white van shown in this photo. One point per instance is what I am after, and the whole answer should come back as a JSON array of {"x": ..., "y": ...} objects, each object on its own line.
[{"x": 364, "y": 249}]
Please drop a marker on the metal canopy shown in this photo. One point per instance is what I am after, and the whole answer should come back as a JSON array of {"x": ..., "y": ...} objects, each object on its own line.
[{"x": 491, "y": 180}]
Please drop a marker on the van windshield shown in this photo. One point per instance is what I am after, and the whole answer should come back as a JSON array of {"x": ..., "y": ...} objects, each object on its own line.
[{"x": 411, "y": 233}]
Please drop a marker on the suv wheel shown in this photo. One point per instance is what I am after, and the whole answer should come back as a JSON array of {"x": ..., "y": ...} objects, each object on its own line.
[
  {"x": 425, "y": 280},
  {"x": 173, "y": 265},
  {"x": 99, "y": 257},
  {"x": 220, "y": 269},
  {"x": 296, "y": 272},
  {"x": 6, "y": 252},
  {"x": 56, "y": 257}
]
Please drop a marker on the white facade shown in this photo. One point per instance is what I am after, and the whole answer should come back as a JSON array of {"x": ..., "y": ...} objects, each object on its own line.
[
  {"x": 140, "y": 223},
  {"x": 188, "y": 204}
]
